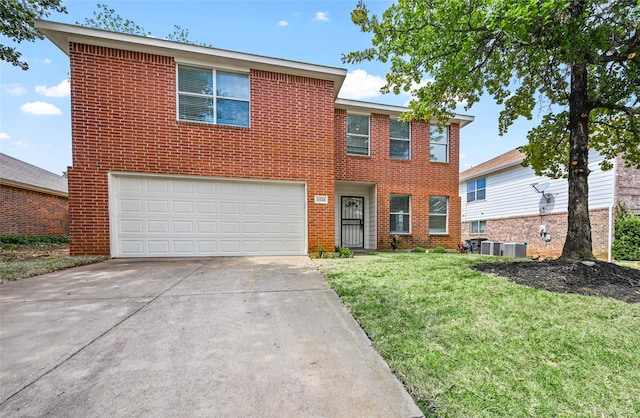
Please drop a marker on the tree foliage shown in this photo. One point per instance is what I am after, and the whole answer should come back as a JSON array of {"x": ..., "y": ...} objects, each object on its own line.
[
  {"x": 17, "y": 24},
  {"x": 574, "y": 61},
  {"x": 108, "y": 19}
]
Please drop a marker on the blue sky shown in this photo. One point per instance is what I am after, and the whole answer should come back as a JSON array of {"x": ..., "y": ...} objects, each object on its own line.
[{"x": 35, "y": 124}]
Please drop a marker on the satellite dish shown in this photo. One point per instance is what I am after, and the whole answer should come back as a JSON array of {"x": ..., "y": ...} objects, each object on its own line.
[{"x": 540, "y": 187}]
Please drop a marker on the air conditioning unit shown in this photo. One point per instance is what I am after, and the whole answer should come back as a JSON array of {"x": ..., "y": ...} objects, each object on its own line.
[
  {"x": 491, "y": 248},
  {"x": 515, "y": 250}
]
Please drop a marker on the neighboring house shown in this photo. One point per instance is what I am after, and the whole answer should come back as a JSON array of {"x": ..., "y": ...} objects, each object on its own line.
[
  {"x": 33, "y": 201},
  {"x": 499, "y": 203},
  {"x": 182, "y": 150}
]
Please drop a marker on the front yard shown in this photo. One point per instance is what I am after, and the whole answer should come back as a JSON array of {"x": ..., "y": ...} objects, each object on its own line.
[
  {"x": 19, "y": 261},
  {"x": 471, "y": 344}
]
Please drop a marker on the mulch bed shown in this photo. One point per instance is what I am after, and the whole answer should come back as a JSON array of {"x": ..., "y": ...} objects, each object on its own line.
[{"x": 572, "y": 276}]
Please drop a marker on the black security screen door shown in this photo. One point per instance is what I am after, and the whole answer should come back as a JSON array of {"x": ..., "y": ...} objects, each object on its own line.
[{"x": 352, "y": 222}]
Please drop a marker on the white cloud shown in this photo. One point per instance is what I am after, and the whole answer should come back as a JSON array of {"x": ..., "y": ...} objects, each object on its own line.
[
  {"x": 360, "y": 85},
  {"x": 61, "y": 90},
  {"x": 283, "y": 23},
  {"x": 322, "y": 16},
  {"x": 47, "y": 61},
  {"x": 40, "y": 108},
  {"x": 15, "y": 89},
  {"x": 20, "y": 144},
  {"x": 4, "y": 135}
]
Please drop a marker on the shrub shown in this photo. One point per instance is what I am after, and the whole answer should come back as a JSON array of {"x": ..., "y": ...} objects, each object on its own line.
[
  {"x": 419, "y": 250},
  {"x": 627, "y": 238},
  {"x": 395, "y": 242},
  {"x": 344, "y": 252},
  {"x": 27, "y": 240},
  {"x": 439, "y": 250},
  {"x": 321, "y": 250}
]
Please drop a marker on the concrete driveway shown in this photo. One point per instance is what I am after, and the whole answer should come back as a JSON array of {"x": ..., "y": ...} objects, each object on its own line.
[{"x": 223, "y": 337}]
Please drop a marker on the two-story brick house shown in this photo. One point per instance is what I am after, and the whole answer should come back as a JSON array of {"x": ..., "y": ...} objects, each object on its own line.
[{"x": 183, "y": 150}]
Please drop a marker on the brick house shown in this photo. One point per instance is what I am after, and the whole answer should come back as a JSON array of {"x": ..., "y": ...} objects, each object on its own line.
[
  {"x": 183, "y": 150},
  {"x": 499, "y": 203},
  {"x": 34, "y": 201}
]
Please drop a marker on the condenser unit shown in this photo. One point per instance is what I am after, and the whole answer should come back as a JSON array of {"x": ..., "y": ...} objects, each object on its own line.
[
  {"x": 491, "y": 248},
  {"x": 515, "y": 250}
]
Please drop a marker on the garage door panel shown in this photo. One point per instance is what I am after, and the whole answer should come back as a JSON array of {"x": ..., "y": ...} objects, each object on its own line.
[
  {"x": 157, "y": 206},
  {"x": 206, "y": 208},
  {"x": 157, "y": 185},
  {"x": 131, "y": 205},
  {"x": 158, "y": 227},
  {"x": 158, "y": 247},
  {"x": 159, "y": 217},
  {"x": 183, "y": 247},
  {"x": 206, "y": 227}
]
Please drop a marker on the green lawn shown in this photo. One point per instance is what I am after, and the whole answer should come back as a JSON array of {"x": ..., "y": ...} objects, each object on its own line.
[{"x": 467, "y": 344}]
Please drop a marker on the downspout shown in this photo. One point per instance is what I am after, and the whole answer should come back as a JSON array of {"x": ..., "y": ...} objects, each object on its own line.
[{"x": 613, "y": 201}]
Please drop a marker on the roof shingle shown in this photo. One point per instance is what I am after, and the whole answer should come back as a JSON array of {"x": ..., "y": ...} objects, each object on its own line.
[{"x": 19, "y": 173}]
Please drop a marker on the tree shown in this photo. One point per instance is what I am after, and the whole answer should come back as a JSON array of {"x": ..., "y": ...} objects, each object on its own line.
[
  {"x": 17, "y": 24},
  {"x": 575, "y": 60},
  {"x": 108, "y": 19}
]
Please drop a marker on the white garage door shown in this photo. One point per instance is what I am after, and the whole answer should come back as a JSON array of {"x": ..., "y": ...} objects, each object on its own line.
[{"x": 169, "y": 217}]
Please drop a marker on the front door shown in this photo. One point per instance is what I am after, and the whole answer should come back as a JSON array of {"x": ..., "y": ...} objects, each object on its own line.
[{"x": 352, "y": 235}]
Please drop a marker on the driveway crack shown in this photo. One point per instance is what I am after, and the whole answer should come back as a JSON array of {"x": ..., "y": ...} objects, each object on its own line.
[{"x": 113, "y": 327}]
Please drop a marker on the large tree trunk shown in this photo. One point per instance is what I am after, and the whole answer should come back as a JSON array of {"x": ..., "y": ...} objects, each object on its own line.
[{"x": 578, "y": 243}]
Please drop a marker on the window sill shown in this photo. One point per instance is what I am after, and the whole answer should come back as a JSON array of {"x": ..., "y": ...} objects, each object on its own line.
[
  {"x": 358, "y": 156},
  {"x": 212, "y": 125}
]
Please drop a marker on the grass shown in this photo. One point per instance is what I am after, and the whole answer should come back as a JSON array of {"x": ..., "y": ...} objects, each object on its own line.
[
  {"x": 467, "y": 344},
  {"x": 20, "y": 269}
]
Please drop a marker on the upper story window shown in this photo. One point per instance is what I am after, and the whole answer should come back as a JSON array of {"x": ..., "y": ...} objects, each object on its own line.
[
  {"x": 477, "y": 190},
  {"x": 400, "y": 214},
  {"x": 439, "y": 142},
  {"x": 438, "y": 207},
  {"x": 357, "y": 135},
  {"x": 212, "y": 96},
  {"x": 400, "y": 146}
]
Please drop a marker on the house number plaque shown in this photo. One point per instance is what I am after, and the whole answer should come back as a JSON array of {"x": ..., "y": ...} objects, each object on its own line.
[{"x": 322, "y": 200}]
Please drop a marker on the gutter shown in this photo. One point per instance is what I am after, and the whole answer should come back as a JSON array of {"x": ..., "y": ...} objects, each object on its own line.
[
  {"x": 613, "y": 201},
  {"x": 32, "y": 188}
]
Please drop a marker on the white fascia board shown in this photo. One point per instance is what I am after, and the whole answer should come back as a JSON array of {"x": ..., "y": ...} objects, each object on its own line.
[
  {"x": 61, "y": 34},
  {"x": 356, "y": 106},
  {"x": 491, "y": 170}
]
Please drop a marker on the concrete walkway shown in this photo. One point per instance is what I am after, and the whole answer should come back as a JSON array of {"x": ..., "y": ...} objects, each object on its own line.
[{"x": 214, "y": 337}]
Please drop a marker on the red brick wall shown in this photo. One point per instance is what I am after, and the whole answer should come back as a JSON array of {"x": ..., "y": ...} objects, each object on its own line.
[
  {"x": 627, "y": 185},
  {"x": 31, "y": 213},
  {"x": 124, "y": 119},
  {"x": 418, "y": 177},
  {"x": 525, "y": 229}
]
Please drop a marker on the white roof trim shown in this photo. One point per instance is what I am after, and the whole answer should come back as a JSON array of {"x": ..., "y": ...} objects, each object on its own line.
[
  {"x": 356, "y": 106},
  {"x": 61, "y": 34},
  {"x": 491, "y": 170}
]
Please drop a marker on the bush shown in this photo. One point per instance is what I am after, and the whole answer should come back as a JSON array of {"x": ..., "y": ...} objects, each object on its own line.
[
  {"x": 419, "y": 250},
  {"x": 627, "y": 238},
  {"x": 439, "y": 250},
  {"x": 344, "y": 252},
  {"x": 395, "y": 242},
  {"x": 27, "y": 240}
]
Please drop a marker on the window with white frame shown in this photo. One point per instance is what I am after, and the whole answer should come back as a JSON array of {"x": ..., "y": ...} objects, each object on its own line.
[
  {"x": 478, "y": 227},
  {"x": 400, "y": 146},
  {"x": 438, "y": 206},
  {"x": 357, "y": 135},
  {"x": 400, "y": 214},
  {"x": 439, "y": 143},
  {"x": 477, "y": 190},
  {"x": 211, "y": 96}
]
